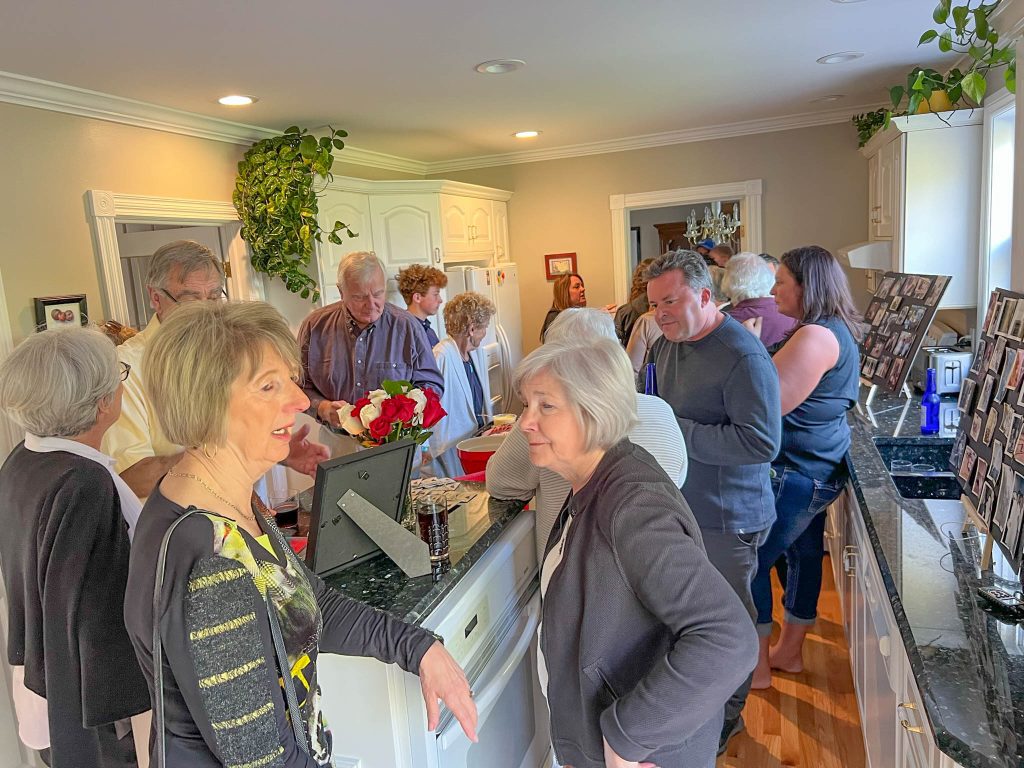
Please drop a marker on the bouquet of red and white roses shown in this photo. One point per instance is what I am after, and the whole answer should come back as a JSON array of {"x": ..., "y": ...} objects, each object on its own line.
[{"x": 396, "y": 411}]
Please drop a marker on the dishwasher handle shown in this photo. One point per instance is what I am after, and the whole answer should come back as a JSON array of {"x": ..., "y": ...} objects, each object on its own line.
[{"x": 487, "y": 691}]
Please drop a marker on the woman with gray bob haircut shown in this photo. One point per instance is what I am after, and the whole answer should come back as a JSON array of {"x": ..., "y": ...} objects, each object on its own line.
[
  {"x": 749, "y": 281},
  {"x": 67, "y": 519},
  {"x": 625, "y": 579},
  {"x": 510, "y": 475}
]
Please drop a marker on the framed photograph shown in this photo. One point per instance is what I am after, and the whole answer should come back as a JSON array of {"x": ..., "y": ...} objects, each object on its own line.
[
  {"x": 980, "y": 473},
  {"x": 557, "y": 264},
  {"x": 895, "y": 303},
  {"x": 61, "y": 311},
  {"x": 937, "y": 289},
  {"x": 966, "y": 398}
]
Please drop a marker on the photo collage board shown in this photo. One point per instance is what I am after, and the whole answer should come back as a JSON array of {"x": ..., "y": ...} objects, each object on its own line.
[
  {"x": 988, "y": 455},
  {"x": 899, "y": 314}
]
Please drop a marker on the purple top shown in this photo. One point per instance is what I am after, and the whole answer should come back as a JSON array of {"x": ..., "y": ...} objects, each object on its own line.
[
  {"x": 774, "y": 324},
  {"x": 340, "y": 362}
]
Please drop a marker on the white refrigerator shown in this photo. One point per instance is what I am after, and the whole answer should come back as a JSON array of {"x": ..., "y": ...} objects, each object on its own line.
[{"x": 503, "y": 343}]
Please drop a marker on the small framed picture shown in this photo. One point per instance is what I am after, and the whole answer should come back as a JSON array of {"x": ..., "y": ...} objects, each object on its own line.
[
  {"x": 557, "y": 264},
  {"x": 61, "y": 311}
]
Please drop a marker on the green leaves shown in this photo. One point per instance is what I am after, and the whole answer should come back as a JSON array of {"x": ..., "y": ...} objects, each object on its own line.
[
  {"x": 276, "y": 201},
  {"x": 927, "y": 37},
  {"x": 896, "y": 94},
  {"x": 973, "y": 86},
  {"x": 941, "y": 12}
]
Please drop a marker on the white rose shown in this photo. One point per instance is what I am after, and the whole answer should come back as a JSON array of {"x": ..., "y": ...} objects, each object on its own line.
[
  {"x": 349, "y": 423},
  {"x": 368, "y": 414},
  {"x": 377, "y": 396},
  {"x": 420, "y": 398}
]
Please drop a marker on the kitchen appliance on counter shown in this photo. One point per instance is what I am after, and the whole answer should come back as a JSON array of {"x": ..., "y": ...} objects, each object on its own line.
[
  {"x": 503, "y": 343},
  {"x": 951, "y": 368}
]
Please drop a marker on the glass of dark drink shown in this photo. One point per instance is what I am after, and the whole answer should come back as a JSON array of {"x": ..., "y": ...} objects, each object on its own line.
[
  {"x": 286, "y": 508},
  {"x": 432, "y": 517}
]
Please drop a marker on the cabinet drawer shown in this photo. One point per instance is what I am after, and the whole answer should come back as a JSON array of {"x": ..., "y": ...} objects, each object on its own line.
[{"x": 914, "y": 730}]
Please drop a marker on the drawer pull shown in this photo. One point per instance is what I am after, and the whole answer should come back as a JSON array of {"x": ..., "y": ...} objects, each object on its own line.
[
  {"x": 912, "y": 728},
  {"x": 907, "y": 705}
]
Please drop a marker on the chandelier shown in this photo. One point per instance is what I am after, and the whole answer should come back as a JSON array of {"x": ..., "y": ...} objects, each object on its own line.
[{"x": 716, "y": 225}]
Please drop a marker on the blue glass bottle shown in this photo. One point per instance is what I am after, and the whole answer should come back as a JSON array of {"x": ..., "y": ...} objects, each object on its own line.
[
  {"x": 930, "y": 406},
  {"x": 650, "y": 380}
]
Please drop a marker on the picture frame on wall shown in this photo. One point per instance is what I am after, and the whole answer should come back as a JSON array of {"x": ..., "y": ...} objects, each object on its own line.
[
  {"x": 558, "y": 264},
  {"x": 54, "y": 312}
]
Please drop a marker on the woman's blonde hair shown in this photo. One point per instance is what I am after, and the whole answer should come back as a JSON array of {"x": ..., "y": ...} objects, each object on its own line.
[
  {"x": 561, "y": 290},
  {"x": 467, "y": 309},
  {"x": 198, "y": 354}
]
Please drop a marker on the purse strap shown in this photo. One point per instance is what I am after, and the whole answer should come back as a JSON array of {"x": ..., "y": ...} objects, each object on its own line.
[{"x": 294, "y": 713}]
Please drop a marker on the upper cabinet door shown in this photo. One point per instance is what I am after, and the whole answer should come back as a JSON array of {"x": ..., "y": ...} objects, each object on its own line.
[
  {"x": 353, "y": 210},
  {"x": 890, "y": 169},
  {"x": 407, "y": 229},
  {"x": 455, "y": 219},
  {"x": 501, "y": 254},
  {"x": 481, "y": 225},
  {"x": 874, "y": 195}
]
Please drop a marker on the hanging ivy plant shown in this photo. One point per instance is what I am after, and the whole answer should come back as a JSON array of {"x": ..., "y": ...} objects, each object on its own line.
[{"x": 276, "y": 199}]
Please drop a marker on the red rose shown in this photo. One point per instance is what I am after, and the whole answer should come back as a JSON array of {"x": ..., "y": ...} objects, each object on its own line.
[
  {"x": 389, "y": 410},
  {"x": 358, "y": 406},
  {"x": 433, "y": 412},
  {"x": 380, "y": 428},
  {"x": 405, "y": 408}
]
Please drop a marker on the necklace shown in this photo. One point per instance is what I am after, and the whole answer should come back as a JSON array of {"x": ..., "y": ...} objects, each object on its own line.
[{"x": 196, "y": 478}]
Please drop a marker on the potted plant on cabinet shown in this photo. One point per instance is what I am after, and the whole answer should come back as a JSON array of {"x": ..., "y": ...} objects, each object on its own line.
[
  {"x": 276, "y": 200},
  {"x": 963, "y": 29}
]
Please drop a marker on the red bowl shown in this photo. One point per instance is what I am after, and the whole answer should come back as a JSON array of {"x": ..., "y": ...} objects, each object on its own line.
[
  {"x": 474, "y": 452},
  {"x": 298, "y": 544}
]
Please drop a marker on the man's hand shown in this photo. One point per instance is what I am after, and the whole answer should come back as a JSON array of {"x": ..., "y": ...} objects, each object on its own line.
[
  {"x": 442, "y": 678},
  {"x": 303, "y": 454},
  {"x": 612, "y": 760},
  {"x": 327, "y": 412},
  {"x": 611, "y": 308},
  {"x": 754, "y": 325}
]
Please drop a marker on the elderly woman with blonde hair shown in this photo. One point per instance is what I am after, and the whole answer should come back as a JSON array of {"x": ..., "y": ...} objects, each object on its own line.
[
  {"x": 467, "y": 390},
  {"x": 67, "y": 519},
  {"x": 227, "y": 623},
  {"x": 642, "y": 640}
]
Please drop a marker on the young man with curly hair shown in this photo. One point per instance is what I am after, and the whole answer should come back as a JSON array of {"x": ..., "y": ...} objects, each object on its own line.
[{"x": 421, "y": 286}]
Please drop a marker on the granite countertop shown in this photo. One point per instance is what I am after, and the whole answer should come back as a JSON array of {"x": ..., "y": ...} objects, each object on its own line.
[
  {"x": 968, "y": 664},
  {"x": 472, "y": 527}
]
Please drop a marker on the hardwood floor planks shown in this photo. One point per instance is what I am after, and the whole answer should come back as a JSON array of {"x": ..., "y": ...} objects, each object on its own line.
[{"x": 808, "y": 720}]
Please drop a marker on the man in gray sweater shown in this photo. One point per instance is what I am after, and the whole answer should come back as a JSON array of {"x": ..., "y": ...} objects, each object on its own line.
[{"x": 724, "y": 390}]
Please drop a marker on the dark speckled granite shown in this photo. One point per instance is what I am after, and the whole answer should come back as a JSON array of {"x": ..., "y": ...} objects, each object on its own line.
[
  {"x": 382, "y": 584},
  {"x": 969, "y": 665}
]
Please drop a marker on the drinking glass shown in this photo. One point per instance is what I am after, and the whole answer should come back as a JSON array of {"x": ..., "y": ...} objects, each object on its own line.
[
  {"x": 922, "y": 468},
  {"x": 432, "y": 517},
  {"x": 900, "y": 465},
  {"x": 285, "y": 504}
]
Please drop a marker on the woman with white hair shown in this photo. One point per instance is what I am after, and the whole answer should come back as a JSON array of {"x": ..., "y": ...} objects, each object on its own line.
[
  {"x": 749, "y": 281},
  {"x": 467, "y": 391},
  {"x": 67, "y": 518},
  {"x": 511, "y": 475},
  {"x": 641, "y": 640}
]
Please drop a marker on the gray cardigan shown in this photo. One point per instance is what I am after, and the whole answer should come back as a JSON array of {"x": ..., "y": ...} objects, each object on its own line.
[{"x": 643, "y": 639}]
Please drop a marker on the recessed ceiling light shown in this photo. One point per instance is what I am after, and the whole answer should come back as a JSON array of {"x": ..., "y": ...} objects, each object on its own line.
[
  {"x": 237, "y": 100},
  {"x": 526, "y": 134},
  {"x": 844, "y": 2},
  {"x": 830, "y": 97},
  {"x": 500, "y": 66},
  {"x": 839, "y": 58}
]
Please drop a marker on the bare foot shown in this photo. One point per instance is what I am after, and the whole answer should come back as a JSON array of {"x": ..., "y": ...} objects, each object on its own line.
[
  {"x": 762, "y": 677},
  {"x": 785, "y": 661}
]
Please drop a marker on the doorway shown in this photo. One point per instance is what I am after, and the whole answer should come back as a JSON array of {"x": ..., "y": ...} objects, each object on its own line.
[
  {"x": 747, "y": 194},
  {"x": 660, "y": 230}
]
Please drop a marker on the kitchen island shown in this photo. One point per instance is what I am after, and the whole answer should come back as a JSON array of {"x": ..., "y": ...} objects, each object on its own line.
[{"x": 940, "y": 680}]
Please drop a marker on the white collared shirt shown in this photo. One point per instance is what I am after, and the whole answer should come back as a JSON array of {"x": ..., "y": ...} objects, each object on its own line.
[{"x": 131, "y": 507}]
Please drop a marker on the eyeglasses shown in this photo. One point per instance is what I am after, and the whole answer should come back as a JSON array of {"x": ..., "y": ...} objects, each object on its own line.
[
  {"x": 125, "y": 370},
  {"x": 188, "y": 298}
]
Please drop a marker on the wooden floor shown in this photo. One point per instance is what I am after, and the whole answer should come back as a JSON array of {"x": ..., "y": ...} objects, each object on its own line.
[{"x": 807, "y": 720}]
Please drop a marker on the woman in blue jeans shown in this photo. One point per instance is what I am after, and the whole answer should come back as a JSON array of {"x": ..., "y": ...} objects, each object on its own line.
[{"x": 818, "y": 365}]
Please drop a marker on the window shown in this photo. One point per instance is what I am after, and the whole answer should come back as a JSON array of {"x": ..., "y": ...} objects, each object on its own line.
[{"x": 997, "y": 221}]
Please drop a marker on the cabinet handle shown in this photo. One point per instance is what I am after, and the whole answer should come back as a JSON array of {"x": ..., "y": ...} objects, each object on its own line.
[
  {"x": 437, "y": 255},
  {"x": 849, "y": 554},
  {"x": 907, "y": 705},
  {"x": 912, "y": 728}
]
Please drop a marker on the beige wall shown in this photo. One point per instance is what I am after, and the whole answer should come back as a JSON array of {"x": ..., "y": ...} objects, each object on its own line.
[
  {"x": 47, "y": 162},
  {"x": 815, "y": 191}
]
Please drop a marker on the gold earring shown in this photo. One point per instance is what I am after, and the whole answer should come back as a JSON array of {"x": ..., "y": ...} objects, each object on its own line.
[{"x": 208, "y": 453}]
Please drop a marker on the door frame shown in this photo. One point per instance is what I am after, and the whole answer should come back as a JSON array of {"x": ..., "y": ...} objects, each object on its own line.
[
  {"x": 107, "y": 209},
  {"x": 748, "y": 192}
]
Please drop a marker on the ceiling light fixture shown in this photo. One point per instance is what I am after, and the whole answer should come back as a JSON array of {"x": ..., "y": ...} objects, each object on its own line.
[
  {"x": 237, "y": 100},
  {"x": 499, "y": 66},
  {"x": 830, "y": 97},
  {"x": 526, "y": 134},
  {"x": 846, "y": 2},
  {"x": 840, "y": 58}
]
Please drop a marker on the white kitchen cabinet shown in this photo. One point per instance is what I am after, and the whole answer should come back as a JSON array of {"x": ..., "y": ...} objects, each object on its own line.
[
  {"x": 500, "y": 209},
  {"x": 353, "y": 209},
  {"x": 468, "y": 226},
  {"x": 407, "y": 229},
  {"x": 924, "y": 195}
]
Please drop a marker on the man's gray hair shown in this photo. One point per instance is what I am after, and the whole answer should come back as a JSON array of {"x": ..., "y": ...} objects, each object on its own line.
[
  {"x": 187, "y": 256},
  {"x": 52, "y": 382},
  {"x": 597, "y": 380},
  {"x": 357, "y": 267},
  {"x": 580, "y": 324},
  {"x": 690, "y": 263},
  {"x": 747, "y": 276}
]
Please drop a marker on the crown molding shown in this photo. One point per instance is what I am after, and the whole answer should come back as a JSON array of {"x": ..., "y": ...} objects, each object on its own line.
[
  {"x": 685, "y": 136},
  {"x": 407, "y": 186},
  {"x": 57, "y": 97}
]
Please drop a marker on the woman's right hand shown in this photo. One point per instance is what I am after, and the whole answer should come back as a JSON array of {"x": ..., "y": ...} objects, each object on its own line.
[{"x": 612, "y": 760}]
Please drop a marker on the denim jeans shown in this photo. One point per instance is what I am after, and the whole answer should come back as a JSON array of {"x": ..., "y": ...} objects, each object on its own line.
[{"x": 798, "y": 532}]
